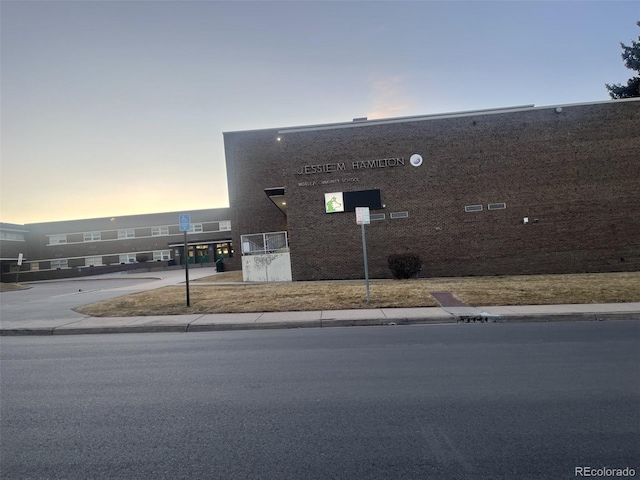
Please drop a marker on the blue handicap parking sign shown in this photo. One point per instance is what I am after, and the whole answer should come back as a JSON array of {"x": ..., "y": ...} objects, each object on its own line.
[{"x": 185, "y": 222}]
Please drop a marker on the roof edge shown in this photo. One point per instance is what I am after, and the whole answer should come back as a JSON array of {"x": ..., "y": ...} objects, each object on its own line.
[
  {"x": 437, "y": 116},
  {"x": 415, "y": 118}
]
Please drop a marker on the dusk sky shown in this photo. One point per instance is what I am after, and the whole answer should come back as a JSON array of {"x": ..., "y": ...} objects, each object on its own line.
[{"x": 113, "y": 108}]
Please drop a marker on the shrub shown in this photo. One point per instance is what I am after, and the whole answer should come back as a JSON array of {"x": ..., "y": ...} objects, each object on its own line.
[{"x": 404, "y": 265}]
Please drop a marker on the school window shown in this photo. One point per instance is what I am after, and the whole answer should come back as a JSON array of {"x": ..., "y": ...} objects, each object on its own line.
[
  {"x": 157, "y": 231},
  {"x": 60, "y": 263},
  {"x": 57, "y": 239},
  {"x": 225, "y": 225},
  {"x": 128, "y": 258},
  {"x": 196, "y": 228},
  {"x": 161, "y": 255},
  {"x": 93, "y": 261},
  {"x": 35, "y": 266},
  {"x": 128, "y": 233},
  {"x": 92, "y": 237},
  {"x": 11, "y": 236}
]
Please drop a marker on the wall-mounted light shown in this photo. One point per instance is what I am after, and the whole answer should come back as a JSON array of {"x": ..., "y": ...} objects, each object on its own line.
[
  {"x": 558, "y": 109},
  {"x": 278, "y": 138}
]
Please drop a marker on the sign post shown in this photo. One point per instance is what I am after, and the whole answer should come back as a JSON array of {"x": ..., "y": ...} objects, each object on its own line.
[
  {"x": 185, "y": 226},
  {"x": 20, "y": 258},
  {"x": 363, "y": 218}
]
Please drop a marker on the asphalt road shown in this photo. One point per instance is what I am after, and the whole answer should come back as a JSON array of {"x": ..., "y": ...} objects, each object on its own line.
[{"x": 460, "y": 401}]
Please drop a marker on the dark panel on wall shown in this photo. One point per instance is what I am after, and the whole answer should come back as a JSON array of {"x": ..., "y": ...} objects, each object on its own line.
[{"x": 362, "y": 198}]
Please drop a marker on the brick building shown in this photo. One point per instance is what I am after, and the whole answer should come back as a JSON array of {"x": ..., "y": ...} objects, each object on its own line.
[
  {"x": 100, "y": 245},
  {"x": 12, "y": 244},
  {"x": 521, "y": 190}
]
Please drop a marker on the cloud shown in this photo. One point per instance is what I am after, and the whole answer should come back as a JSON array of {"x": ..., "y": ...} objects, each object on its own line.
[{"x": 389, "y": 98}]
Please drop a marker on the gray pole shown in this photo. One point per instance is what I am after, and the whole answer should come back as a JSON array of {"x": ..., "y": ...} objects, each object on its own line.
[
  {"x": 364, "y": 254},
  {"x": 186, "y": 266}
]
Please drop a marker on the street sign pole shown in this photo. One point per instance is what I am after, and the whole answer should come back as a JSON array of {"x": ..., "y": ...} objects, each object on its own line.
[
  {"x": 186, "y": 267},
  {"x": 364, "y": 254},
  {"x": 185, "y": 226},
  {"x": 20, "y": 257},
  {"x": 363, "y": 218}
]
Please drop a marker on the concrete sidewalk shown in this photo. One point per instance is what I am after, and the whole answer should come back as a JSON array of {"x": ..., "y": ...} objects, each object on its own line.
[{"x": 323, "y": 318}]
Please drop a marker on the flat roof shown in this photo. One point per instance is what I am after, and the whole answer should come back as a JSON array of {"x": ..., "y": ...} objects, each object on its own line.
[
  {"x": 360, "y": 122},
  {"x": 12, "y": 227}
]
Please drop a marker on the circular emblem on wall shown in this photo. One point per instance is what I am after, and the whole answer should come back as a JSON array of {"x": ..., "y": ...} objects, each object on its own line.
[{"x": 415, "y": 160}]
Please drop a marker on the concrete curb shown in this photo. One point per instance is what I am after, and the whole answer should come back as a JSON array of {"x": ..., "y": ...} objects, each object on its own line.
[
  {"x": 20, "y": 332},
  {"x": 323, "y": 323},
  {"x": 121, "y": 329},
  {"x": 569, "y": 317}
]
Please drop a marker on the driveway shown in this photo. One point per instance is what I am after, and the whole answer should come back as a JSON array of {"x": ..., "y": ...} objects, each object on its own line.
[{"x": 56, "y": 299}]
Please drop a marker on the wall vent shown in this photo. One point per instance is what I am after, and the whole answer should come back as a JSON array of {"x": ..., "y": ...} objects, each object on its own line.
[
  {"x": 497, "y": 206},
  {"x": 399, "y": 214},
  {"x": 473, "y": 208}
]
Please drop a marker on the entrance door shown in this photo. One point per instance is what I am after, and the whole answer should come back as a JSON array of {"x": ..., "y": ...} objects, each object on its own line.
[
  {"x": 189, "y": 252},
  {"x": 202, "y": 254},
  {"x": 223, "y": 250}
]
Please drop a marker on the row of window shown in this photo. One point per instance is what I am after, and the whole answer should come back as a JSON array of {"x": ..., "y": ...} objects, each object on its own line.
[
  {"x": 224, "y": 225},
  {"x": 97, "y": 261},
  {"x": 11, "y": 236}
]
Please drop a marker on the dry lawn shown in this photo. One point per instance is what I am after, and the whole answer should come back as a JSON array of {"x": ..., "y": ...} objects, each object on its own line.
[
  {"x": 332, "y": 295},
  {"x": 235, "y": 276},
  {"x": 11, "y": 287}
]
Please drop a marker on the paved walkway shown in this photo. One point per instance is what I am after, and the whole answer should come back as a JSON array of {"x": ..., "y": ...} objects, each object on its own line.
[{"x": 323, "y": 318}]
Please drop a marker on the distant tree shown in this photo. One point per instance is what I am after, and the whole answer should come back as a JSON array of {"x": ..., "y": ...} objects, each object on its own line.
[{"x": 631, "y": 57}]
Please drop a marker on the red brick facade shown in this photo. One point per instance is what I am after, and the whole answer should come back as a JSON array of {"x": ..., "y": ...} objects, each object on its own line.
[{"x": 573, "y": 172}]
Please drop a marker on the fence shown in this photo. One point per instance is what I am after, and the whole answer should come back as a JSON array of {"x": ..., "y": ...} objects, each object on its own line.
[{"x": 262, "y": 243}]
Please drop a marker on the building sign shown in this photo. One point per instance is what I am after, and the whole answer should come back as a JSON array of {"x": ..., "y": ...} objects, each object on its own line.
[
  {"x": 333, "y": 202},
  {"x": 381, "y": 163},
  {"x": 327, "y": 182},
  {"x": 349, "y": 201},
  {"x": 343, "y": 166},
  {"x": 324, "y": 168}
]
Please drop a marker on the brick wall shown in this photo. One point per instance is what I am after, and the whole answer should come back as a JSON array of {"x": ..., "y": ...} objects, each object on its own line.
[
  {"x": 575, "y": 174},
  {"x": 256, "y": 165}
]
